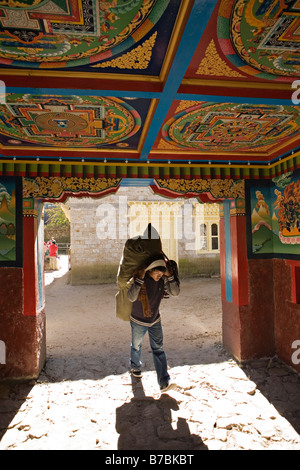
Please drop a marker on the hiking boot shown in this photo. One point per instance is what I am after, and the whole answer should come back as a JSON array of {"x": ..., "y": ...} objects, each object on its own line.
[
  {"x": 136, "y": 373},
  {"x": 166, "y": 387}
]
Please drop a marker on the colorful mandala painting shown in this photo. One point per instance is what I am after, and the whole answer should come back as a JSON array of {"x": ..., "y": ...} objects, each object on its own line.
[
  {"x": 69, "y": 33},
  {"x": 261, "y": 37},
  {"x": 67, "y": 121},
  {"x": 232, "y": 127}
]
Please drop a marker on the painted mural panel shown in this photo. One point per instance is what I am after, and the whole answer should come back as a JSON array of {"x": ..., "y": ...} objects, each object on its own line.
[
  {"x": 274, "y": 219},
  {"x": 230, "y": 127},
  {"x": 71, "y": 121},
  {"x": 10, "y": 218},
  {"x": 263, "y": 34},
  {"x": 112, "y": 34}
]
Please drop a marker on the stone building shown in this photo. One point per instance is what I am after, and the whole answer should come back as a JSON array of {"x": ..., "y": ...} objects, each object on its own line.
[{"x": 189, "y": 231}]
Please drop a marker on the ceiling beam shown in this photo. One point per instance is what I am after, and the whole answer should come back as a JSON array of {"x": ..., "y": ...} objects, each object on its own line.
[{"x": 196, "y": 24}]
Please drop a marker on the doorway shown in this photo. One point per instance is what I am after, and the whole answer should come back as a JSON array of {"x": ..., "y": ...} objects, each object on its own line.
[{"x": 82, "y": 325}]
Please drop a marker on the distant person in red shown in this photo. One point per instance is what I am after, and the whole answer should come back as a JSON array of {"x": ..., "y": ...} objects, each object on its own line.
[
  {"x": 50, "y": 242},
  {"x": 53, "y": 255}
]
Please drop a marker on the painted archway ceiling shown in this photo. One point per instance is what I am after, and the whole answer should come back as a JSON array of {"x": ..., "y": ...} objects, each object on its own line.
[{"x": 150, "y": 81}]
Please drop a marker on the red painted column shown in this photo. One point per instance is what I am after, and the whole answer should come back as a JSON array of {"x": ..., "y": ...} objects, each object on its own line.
[
  {"x": 239, "y": 262},
  {"x": 33, "y": 300},
  {"x": 30, "y": 284},
  {"x": 22, "y": 314},
  {"x": 222, "y": 253},
  {"x": 287, "y": 311},
  {"x": 234, "y": 276},
  {"x": 248, "y": 306}
]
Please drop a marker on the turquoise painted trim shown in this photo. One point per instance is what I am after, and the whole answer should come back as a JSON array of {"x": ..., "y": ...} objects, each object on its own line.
[
  {"x": 136, "y": 182},
  {"x": 197, "y": 22},
  {"x": 236, "y": 61},
  {"x": 228, "y": 267},
  {"x": 40, "y": 254}
]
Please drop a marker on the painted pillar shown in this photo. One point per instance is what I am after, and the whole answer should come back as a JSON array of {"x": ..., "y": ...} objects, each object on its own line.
[
  {"x": 248, "y": 323},
  {"x": 273, "y": 233},
  {"x": 33, "y": 281},
  {"x": 33, "y": 246},
  {"x": 286, "y": 275},
  {"x": 22, "y": 312}
]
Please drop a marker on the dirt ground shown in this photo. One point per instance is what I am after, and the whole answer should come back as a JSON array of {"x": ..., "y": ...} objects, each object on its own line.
[
  {"x": 85, "y": 398},
  {"x": 81, "y": 321}
]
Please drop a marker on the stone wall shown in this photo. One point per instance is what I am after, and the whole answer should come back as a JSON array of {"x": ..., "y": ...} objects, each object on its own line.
[
  {"x": 99, "y": 229},
  {"x": 61, "y": 234}
]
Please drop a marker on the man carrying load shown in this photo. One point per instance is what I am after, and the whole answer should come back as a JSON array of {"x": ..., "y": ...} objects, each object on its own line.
[{"x": 146, "y": 292}]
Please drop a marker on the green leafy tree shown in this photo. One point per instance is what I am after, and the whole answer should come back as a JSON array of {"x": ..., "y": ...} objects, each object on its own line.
[{"x": 55, "y": 216}]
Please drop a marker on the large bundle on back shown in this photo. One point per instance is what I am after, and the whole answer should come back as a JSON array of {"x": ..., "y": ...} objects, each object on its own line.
[{"x": 136, "y": 252}]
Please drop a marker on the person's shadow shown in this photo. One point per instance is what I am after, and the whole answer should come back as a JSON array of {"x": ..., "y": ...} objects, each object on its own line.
[{"x": 145, "y": 424}]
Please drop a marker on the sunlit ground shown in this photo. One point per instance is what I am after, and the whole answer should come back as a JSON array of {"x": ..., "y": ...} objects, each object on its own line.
[
  {"x": 85, "y": 397},
  {"x": 215, "y": 406},
  {"x": 50, "y": 275}
]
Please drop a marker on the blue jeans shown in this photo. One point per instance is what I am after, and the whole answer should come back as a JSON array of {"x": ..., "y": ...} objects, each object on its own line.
[{"x": 156, "y": 342}]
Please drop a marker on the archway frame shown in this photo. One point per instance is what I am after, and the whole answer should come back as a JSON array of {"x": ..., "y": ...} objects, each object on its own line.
[{"x": 57, "y": 189}]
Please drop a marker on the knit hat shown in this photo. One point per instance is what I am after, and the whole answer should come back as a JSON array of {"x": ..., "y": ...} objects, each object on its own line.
[{"x": 158, "y": 263}]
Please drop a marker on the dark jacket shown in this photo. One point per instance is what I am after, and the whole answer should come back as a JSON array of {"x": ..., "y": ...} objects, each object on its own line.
[{"x": 155, "y": 292}]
